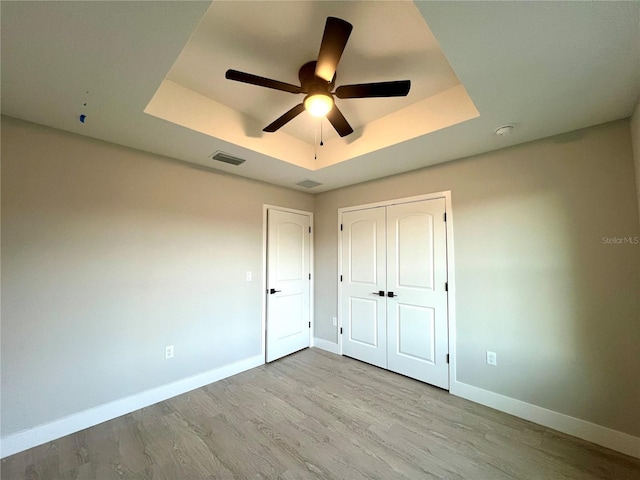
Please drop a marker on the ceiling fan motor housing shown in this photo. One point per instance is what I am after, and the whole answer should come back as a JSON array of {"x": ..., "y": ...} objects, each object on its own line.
[{"x": 311, "y": 83}]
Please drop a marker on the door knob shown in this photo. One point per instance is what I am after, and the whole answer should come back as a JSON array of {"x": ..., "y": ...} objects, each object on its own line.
[
  {"x": 391, "y": 295},
  {"x": 273, "y": 290},
  {"x": 380, "y": 293}
]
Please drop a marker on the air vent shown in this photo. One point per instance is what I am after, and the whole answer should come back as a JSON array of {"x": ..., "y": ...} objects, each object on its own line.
[
  {"x": 226, "y": 158},
  {"x": 308, "y": 184}
]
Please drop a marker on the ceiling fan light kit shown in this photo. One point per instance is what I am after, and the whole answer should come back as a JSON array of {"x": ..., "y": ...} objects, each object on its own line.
[
  {"x": 317, "y": 79},
  {"x": 318, "y": 104}
]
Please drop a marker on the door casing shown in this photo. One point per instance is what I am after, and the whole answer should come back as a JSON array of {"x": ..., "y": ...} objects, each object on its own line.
[{"x": 450, "y": 267}]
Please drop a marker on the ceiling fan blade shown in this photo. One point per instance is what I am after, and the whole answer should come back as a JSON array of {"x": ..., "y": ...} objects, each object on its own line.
[
  {"x": 287, "y": 117},
  {"x": 399, "y": 88},
  {"x": 261, "y": 81},
  {"x": 339, "y": 122},
  {"x": 336, "y": 34}
]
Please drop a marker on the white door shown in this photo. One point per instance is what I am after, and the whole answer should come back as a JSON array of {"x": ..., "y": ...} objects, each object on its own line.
[
  {"x": 288, "y": 283},
  {"x": 417, "y": 321},
  {"x": 364, "y": 276},
  {"x": 394, "y": 299}
]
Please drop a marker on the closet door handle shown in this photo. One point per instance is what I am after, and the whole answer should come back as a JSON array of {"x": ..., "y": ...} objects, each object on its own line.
[
  {"x": 391, "y": 295},
  {"x": 380, "y": 293},
  {"x": 273, "y": 290}
]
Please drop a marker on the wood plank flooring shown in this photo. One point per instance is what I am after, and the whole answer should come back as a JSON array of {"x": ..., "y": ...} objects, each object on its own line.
[{"x": 315, "y": 415}]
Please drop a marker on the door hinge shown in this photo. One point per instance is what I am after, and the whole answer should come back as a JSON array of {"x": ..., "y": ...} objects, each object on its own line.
[
  {"x": 446, "y": 286},
  {"x": 309, "y": 324},
  {"x": 309, "y": 276},
  {"x": 340, "y": 227},
  {"x": 447, "y": 358},
  {"x": 309, "y": 229},
  {"x": 445, "y": 216},
  {"x": 340, "y": 277},
  {"x": 340, "y": 330}
]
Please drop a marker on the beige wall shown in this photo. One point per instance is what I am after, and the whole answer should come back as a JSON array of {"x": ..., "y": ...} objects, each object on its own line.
[
  {"x": 108, "y": 255},
  {"x": 535, "y": 280},
  {"x": 635, "y": 139}
]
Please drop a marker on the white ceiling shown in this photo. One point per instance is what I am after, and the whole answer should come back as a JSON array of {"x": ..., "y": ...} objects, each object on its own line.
[
  {"x": 196, "y": 95},
  {"x": 376, "y": 52},
  {"x": 547, "y": 67}
]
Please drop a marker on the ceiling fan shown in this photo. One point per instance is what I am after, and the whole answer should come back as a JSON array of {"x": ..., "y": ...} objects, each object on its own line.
[{"x": 317, "y": 79}]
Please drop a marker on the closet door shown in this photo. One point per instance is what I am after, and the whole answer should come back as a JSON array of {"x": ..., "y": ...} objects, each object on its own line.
[
  {"x": 417, "y": 320},
  {"x": 364, "y": 277}
]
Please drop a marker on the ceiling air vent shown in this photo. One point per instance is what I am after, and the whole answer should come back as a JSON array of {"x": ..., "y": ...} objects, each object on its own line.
[
  {"x": 226, "y": 158},
  {"x": 308, "y": 184}
]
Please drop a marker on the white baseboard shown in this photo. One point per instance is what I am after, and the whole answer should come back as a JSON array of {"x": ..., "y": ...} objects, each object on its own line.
[
  {"x": 326, "y": 345},
  {"x": 48, "y": 432},
  {"x": 18, "y": 442},
  {"x": 606, "y": 437}
]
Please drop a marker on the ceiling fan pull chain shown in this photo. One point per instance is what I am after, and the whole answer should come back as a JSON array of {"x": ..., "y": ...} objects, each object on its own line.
[{"x": 321, "y": 142}]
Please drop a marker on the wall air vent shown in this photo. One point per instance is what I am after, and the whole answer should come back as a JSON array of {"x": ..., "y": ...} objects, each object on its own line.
[
  {"x": 308, "y": 184},
  {"x": 226, "y": 158}
]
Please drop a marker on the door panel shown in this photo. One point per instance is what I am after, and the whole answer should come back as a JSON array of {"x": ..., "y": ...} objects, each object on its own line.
[
  {"x": 414, "y": 251},
  {"x": 289, "y": 250},
  {"x": 364, "y": 272},
  {"x": 416, "y": 273},
  {"x": 288, "y": 268},
  {"x": 363, "y": 327},
  {"x": 363, "y": 267},
  {"x": 414, "y": 326},
  {"x": 287, "y": 311}
]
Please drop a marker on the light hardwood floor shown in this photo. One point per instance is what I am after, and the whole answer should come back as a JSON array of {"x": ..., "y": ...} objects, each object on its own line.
[{"x": 318, "y": 415}]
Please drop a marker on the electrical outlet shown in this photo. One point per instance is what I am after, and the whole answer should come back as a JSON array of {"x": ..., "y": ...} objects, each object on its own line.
[
  {"x": 335, "y": 322},
  {"x": 492, "y": 358},
  {"x": 249, "y": 276},
  {"x": 168, "y": 352}
]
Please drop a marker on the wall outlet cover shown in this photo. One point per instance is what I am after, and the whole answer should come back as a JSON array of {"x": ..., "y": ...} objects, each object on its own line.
[
  {"x": 168, "y": 352},
  {"x": 492, "y": 358}
]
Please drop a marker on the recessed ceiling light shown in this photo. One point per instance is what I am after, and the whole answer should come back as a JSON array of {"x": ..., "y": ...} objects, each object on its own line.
[{"x": 504, "y": 130}]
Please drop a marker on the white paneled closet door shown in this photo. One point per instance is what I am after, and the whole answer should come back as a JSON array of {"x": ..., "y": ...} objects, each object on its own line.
[
  {"x": 363, "y": 278},
  {"x": 394, "y": 298},
  {"x": 417, "y": 321}
]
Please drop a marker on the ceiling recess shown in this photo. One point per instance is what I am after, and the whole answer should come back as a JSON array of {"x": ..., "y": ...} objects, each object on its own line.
[{"x": 226, "y": 158}]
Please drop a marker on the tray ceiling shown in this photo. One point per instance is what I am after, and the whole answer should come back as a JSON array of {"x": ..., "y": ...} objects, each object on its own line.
[{"x": 546, "y": 67}]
